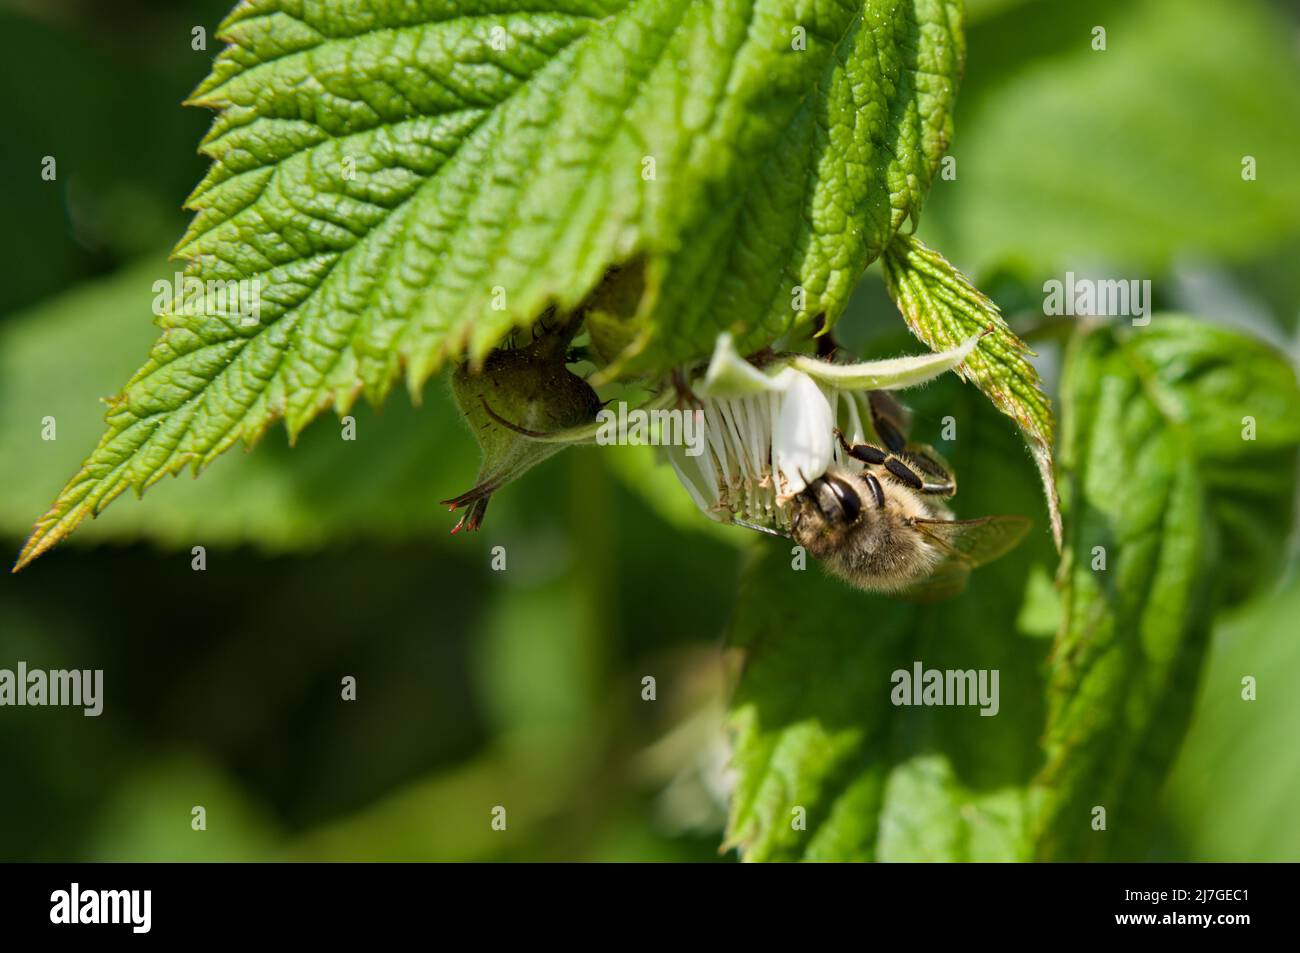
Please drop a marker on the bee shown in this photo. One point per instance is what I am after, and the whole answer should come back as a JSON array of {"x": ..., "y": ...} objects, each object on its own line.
[{"x": 887, "y": 528}]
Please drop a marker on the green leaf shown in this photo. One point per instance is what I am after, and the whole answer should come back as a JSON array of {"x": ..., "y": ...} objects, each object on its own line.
[
  {"x": 943, "y": 309},
  {"x": 59, "y": 358},
  {"x": 1179, "y": 467},
  {"x": 813, "y": 719},
  {"x": 410, "y": 182},
  {"x": 1126, "y": 159}
]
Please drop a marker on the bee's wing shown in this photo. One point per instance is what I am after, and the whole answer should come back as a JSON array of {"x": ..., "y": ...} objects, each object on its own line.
[
  {"x": 967, "y": 543},
  {"x": 978, "y": 541},
  {"x": 947, "y": 580}
]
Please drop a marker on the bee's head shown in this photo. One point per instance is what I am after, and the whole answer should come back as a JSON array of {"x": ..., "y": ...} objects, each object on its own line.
[{"x": 825, "y": 513}]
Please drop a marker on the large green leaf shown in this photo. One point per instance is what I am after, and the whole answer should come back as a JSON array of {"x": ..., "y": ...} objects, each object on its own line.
[
  {"x": 58, "y": 359},
  {"x": 1179, "y": 467},
  {"x": 409, "y": 182}
]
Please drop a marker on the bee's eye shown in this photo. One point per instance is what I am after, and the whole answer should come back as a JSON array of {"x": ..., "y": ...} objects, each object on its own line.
[
  {"x": 838, "y": 501},
  {"x": 848, "y": 497}
]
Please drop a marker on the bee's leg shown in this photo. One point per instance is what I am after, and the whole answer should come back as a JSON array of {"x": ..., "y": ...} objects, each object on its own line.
[
  {"x": 865, "y": 452},
  {"x": 876, "y": 491},
  {"x": 938, "y": 480},
  {"x": 874, "y": 456},
  {"x": 939, "y": 488},
  {"x": 942, "y": 485}
]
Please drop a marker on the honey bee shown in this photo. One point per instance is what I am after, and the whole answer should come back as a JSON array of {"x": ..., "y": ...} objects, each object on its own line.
[{"x": 887, "y": 527}]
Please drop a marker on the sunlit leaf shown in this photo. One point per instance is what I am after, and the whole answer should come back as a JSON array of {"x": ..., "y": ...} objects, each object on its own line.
[
  {"x": 944, "y": 309},
  {"x": 407, "y": 183},
  {"x": 1179, "y": 466}
]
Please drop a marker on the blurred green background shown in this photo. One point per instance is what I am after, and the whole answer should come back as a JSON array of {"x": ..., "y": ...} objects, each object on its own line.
[{"x": 523, "y": 688}]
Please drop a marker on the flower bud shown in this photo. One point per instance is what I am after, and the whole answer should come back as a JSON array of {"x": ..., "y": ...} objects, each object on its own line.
[{"x": 518, "y": 391}]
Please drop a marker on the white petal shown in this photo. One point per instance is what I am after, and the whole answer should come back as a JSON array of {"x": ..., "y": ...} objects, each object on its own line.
[
  {"x": 704, "y": 491},
  {"x": 803, "y": 443},
  {"x": 893, "y": 374},
  {"x": 856, "y": 432},
  {"x": 730, "y": 375}
]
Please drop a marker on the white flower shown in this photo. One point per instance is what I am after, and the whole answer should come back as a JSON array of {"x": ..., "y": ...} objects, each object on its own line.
[
  {"x": 771, "y": 431},
  {"x": 804, "y": 438}
]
